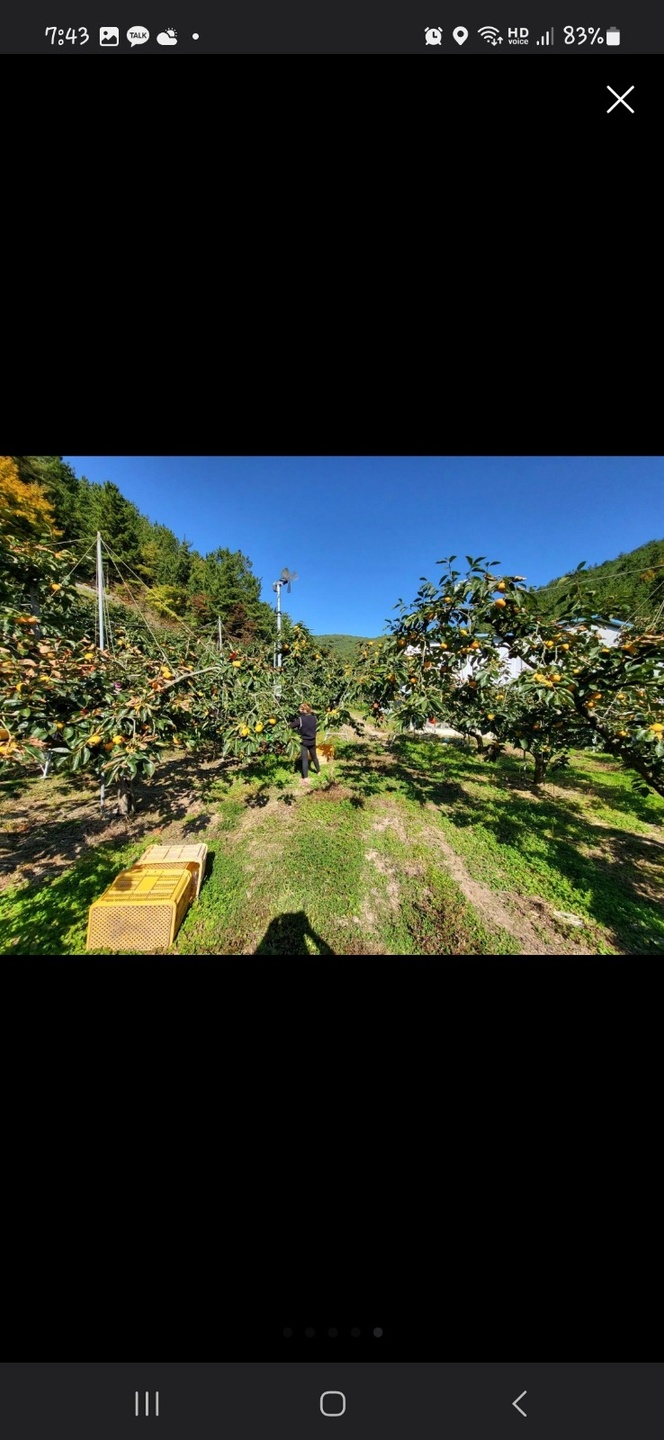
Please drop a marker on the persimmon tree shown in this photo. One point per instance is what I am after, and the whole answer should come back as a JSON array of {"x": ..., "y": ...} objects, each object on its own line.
[
  {"x": 66, "y": 705},
  {"x": 574, "y": 687}
]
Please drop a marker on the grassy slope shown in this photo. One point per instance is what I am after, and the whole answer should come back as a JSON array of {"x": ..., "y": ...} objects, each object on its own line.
[
  {"x": 619, "y": 587},
  {"x": 345, "y": 646},
  {"x": 357, "y": 864}
]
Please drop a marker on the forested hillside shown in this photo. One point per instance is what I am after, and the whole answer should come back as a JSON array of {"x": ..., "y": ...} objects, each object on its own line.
[
  {"x": 630, "y": 586},
  {"x": 150, "y": 563}
]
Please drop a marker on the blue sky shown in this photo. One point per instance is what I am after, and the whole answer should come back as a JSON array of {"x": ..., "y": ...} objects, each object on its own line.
[{"x": 360, "y": 531}]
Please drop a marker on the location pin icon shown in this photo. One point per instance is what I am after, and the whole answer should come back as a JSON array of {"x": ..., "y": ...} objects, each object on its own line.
[{"x": 460, "y": 34}]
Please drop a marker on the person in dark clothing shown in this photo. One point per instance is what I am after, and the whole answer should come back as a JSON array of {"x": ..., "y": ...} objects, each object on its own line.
[{"x": 306, "y": 724}]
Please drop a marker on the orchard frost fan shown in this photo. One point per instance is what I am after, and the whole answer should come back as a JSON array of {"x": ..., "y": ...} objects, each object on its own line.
[{"x": 285, "y": 579}]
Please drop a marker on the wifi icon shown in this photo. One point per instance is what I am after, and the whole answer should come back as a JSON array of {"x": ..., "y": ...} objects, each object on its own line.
[{"x": 489, "y": 33}]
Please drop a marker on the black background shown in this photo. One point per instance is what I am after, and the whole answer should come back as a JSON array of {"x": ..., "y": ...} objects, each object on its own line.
[{"x": 214, "y": 1151}]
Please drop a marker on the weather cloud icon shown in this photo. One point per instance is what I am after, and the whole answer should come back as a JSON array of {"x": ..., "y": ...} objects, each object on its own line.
[{"x": 167, "y": 37}]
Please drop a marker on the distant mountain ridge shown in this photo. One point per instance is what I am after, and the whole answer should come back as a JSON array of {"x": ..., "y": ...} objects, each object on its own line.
[{"x": 346, "y": 646}]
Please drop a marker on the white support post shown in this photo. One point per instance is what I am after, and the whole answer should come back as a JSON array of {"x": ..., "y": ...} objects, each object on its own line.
[
  {"x": 100, "y": 602},
  {"x": 100, "y": 592},
  {"x": 277, "y": 687}
]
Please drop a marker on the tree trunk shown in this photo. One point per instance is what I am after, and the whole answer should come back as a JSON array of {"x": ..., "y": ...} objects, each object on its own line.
[
  {"x": 480, "y": 742},
  {"x": 125, "y": 805},
  {"x": 35, "y": 608},
  {"x": 541, "y": 763}
]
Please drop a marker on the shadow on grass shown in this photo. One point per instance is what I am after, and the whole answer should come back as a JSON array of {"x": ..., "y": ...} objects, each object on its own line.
[
  {"x": 64, "y": 841},
  {"x": 285, "y": 936},
  {"x": 196, "y": 825},
  {"x": 620, "y": 886},
  {"x": 610, "y": 792},
  {"x": 260, "y": 798},
  {"x": 37, "y": 919},
  {"x": 11, "y": 789},
  {"x": 209, "y": 867}
]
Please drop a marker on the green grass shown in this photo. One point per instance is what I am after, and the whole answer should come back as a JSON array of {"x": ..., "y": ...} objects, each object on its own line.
[
  {"x": 430, "y": 915},
  {"x": 546, "y": 846},
  {"x": 52, "y": 919},
  {"x": 278, "y": 889},
  {"x": 353, "y": 865}
]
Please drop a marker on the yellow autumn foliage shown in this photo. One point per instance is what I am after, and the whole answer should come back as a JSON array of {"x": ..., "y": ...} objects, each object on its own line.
[{"x": 24, "y": 508}]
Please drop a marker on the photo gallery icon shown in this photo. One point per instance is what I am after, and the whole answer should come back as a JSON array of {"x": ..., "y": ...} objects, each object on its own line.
[{"x": 109, "y": 35}]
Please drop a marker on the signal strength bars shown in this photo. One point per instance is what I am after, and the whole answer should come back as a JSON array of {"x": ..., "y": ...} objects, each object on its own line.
[{"x": 547, "y": 38}]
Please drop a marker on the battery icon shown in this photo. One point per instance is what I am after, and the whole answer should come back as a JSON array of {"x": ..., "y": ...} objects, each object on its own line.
[{"x": 613, "y": 35}]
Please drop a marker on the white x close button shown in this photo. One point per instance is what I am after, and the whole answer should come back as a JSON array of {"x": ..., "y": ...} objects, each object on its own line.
[{"x": 620, "y": 99}]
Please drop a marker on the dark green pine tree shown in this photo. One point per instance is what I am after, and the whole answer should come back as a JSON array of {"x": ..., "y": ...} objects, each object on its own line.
[{"x": 104, "y": 508}]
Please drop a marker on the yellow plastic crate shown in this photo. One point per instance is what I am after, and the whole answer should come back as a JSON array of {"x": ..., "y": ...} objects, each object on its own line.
[
  {"x": 142, "y": 910},
  {"x": 193, "y": 856}
]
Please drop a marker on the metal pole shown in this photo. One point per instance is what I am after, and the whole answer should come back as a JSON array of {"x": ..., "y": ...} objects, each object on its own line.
[
  {"x": 100, "y": 592},
  {"x": 100, "y": 602},
  {"x": 277, "y": 687},
  {"x": 279, "y": 624},
  {"x": 219, "y": 624}
]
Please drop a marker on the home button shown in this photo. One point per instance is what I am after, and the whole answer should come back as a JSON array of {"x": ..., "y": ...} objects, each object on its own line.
[{"x": 332, "y": 1402}]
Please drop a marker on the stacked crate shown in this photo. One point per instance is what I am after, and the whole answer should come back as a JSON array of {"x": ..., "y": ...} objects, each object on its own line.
[
  {"x": 193, "y": 856},
  {"x": 145, "y": 905}
]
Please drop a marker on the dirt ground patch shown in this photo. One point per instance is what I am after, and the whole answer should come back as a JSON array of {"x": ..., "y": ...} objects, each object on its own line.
[
  {"x": 529, "y": 911},
  {"x": 50, "y": 825},
  {"x": 391, "y": 821},
  {"x": 334, "y": 791},
  {"x": 386, "y": 868},
  {"x": 520, "y": 916}
]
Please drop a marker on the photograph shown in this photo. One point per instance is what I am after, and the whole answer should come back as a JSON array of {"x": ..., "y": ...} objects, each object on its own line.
[{"x": 320, "y": 706}]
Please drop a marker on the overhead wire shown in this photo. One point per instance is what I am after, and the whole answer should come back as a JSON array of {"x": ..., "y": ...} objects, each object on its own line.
[
  {"x": 195, "y": 635},
  {"x": 134, "y": 601},
  {"x": 80, "y": 561}
]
